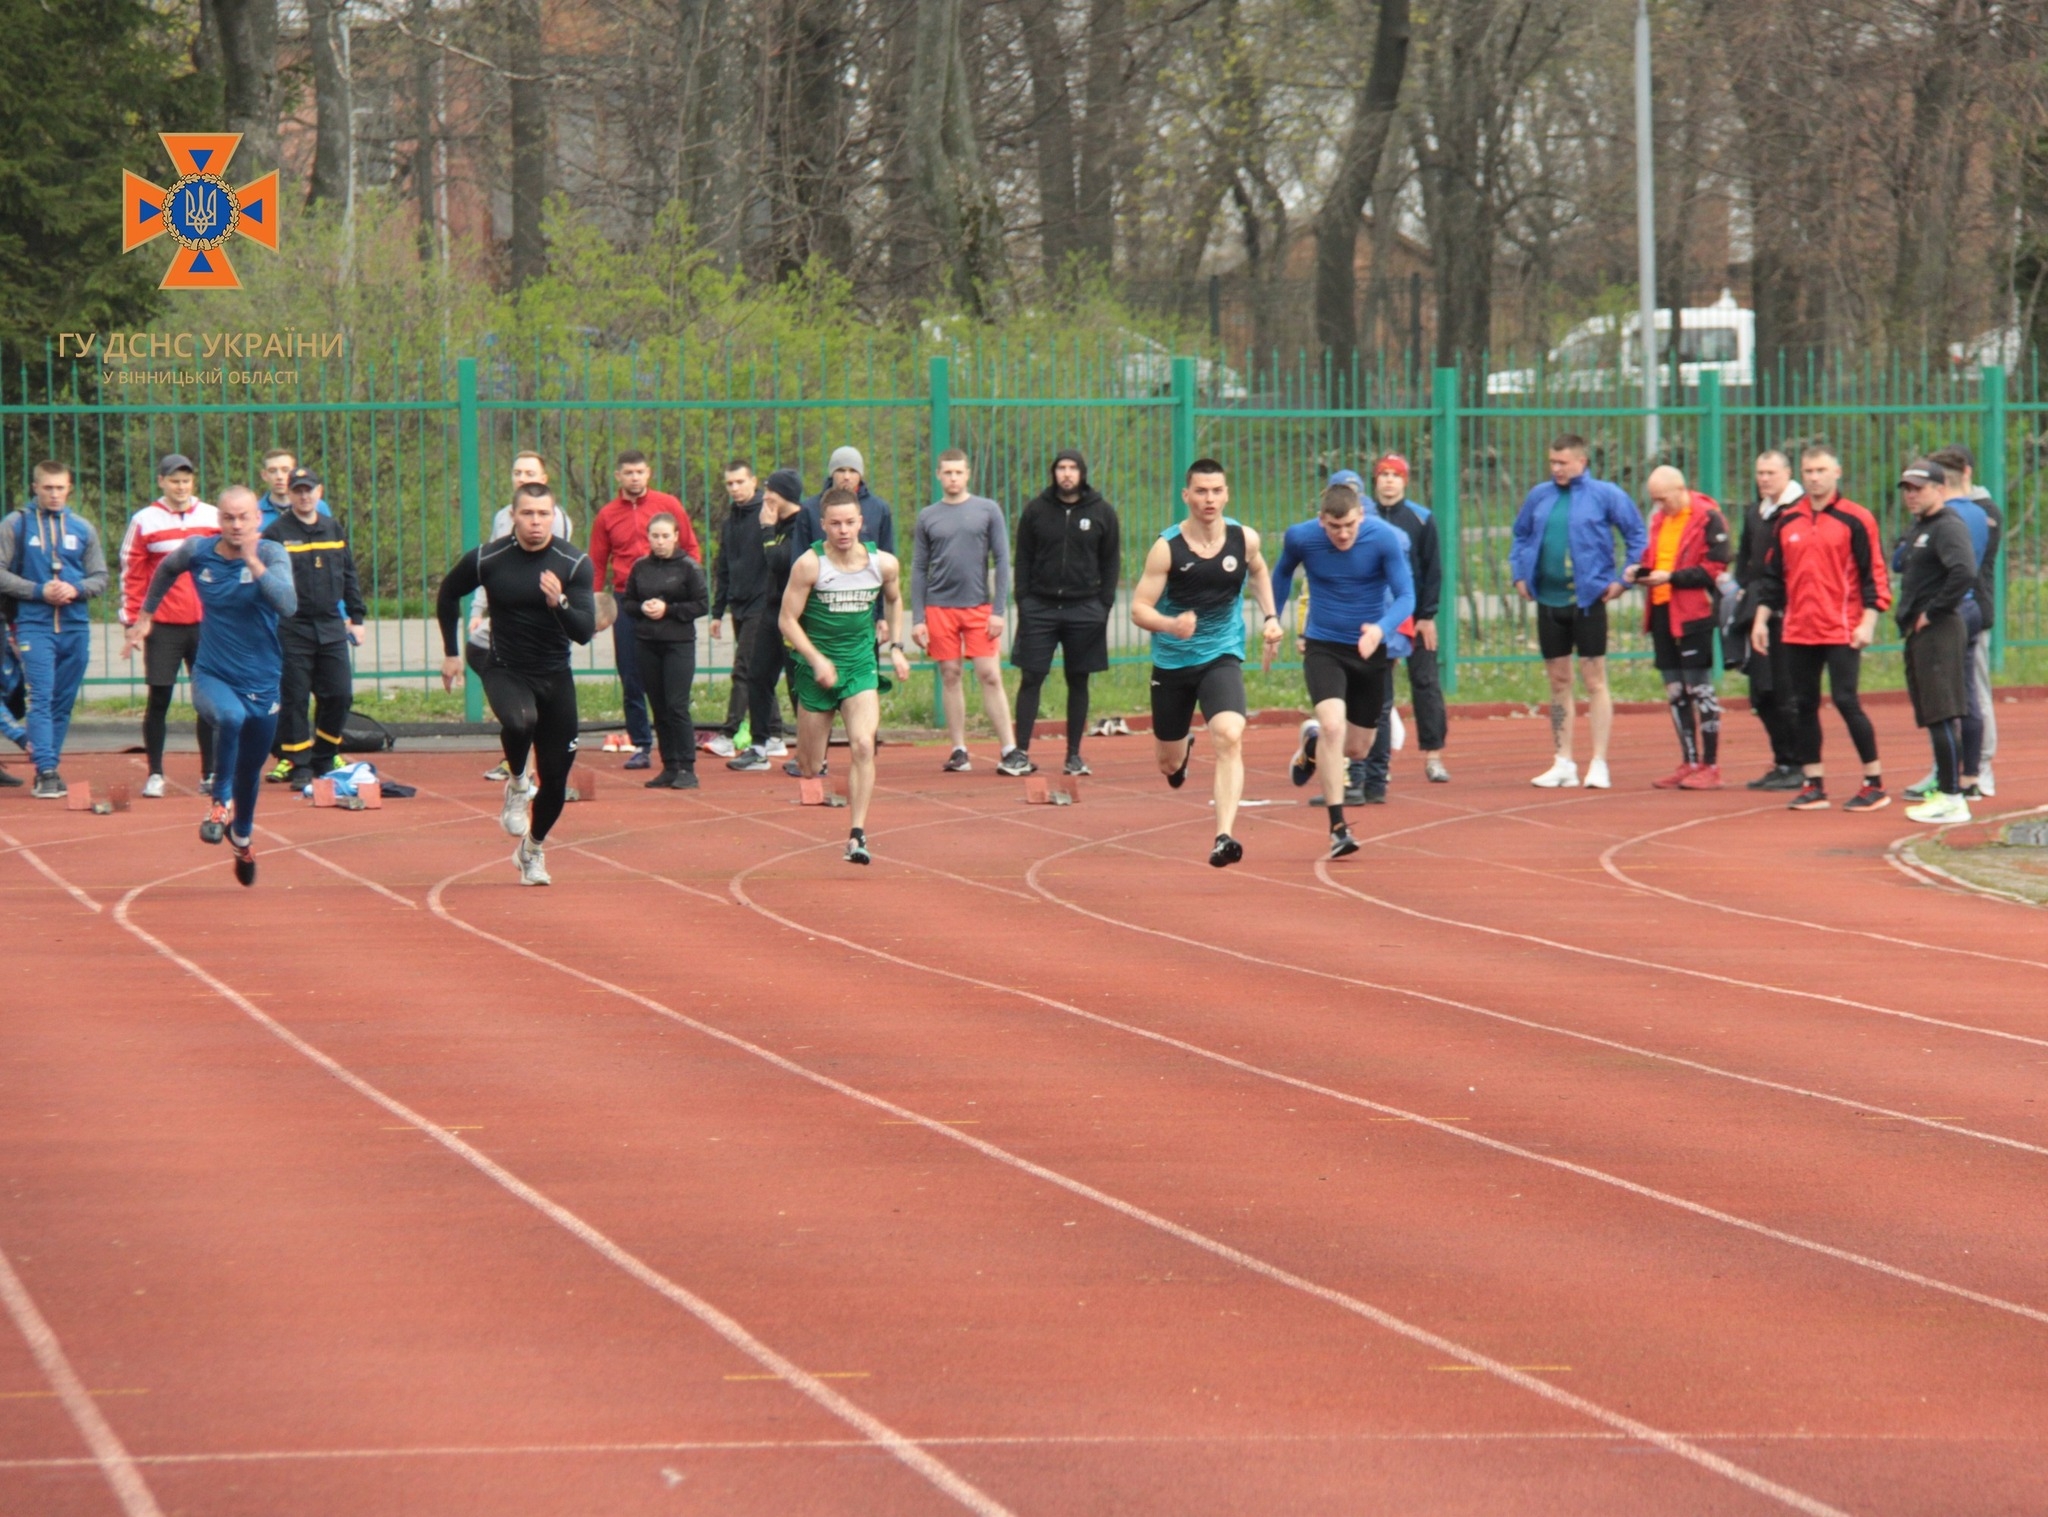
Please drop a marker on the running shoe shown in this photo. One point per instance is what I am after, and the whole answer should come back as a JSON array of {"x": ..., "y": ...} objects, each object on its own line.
[
  {"x": 686, "y": 779},
  {"x": 1973, "y": 792},
  {"x": 615, "y": 742},
  {"x": 1354, "y": 795},
  {"x": 1016, "y": 762},
  {"x": 1674, "y": 779},
  {"x": 748, "y": 761},
  {"x": 1302, "y": 767},
  {"x": 1076, "y": 765},
  {"x": 775, "y": 747},
  {"x": 1342, "y": 843},
  {"x": 1813, "y": 796},
  {"x": 1703, "y": 777},
  {"x": 641, "y": 759},
  {"x": 1984, "y": 782},
  {"x": 721, "y": 745},
  {"x": 215, "y": 827},
  {"x": 245, "y": 860},
  {"x": 666, "y": 780},
  {"x": 1596, "y": 776},
  {"x": 1778, "y": 777},
  {"x": 1940, "y": 810},
  {"x": 857, "y": 849},
  {"x": 1433, "y": 770},
  {"x": 1920, "y": 790},
  {"x": 957, "y": 762},
  {"x": 1562, "y": 774},
  {"x": 1373, "y": 795},
  {"x": 10, "y": 781},
  {"x": 532, "y": 859},
  {"x": 278, "y": 772},
  {"x": 49, "y": 786},
  {"x": 1179, "y": 777},
  {"x": 501, "y": 773},
  {"x": 1228, "y": 851},
  {"x": 153, "y": 788},
  {"x": 518, "y": 806},
  {"x": 1868, "y": 797}
]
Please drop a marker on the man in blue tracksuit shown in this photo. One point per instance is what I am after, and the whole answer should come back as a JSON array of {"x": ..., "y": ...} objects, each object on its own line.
[
  {"x": 1563, "y": 559},
  {"x": 51, "y": 564}
]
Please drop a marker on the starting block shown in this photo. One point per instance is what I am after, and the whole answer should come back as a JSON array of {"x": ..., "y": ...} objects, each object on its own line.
[
  {"x": 1050, "y": 790},
  {"x": 78, "y": 797},
  {"x": 369, "y": 796},
  {"x": 815, "y": 791},
  {"x": 584, "y": 789}
]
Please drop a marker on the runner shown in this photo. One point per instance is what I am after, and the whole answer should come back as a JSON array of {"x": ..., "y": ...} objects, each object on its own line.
[
  {"x": 1191, "y": 599},
  {"x": 1360, "y": 591},
  {"x": 244, "y": 582},
  {"x": 542, "y": 600},
  {"x": 1681, "y": 568},
  {"x": 828, "y": 620}
]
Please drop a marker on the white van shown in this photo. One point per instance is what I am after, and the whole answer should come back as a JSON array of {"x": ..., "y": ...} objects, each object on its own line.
[{"x": 1599, "y": 353}]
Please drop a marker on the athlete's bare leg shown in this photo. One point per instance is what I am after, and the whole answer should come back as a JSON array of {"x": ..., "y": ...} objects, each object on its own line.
[
  {"x": 863, "y": 716},
  {"x": 995, "y": 700},
  {"x": 1332, "y": 749},
  {"x": 813, "y": 739},
  {"x": 953, "y": 696},
  {"x": 1599, "y": 704},
  {"x": 1562, "y": 707},
  {"x": 1226, "y": 738}
]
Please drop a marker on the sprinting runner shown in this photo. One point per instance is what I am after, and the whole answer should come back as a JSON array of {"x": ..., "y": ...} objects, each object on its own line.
[
  {"x": 244, "y": 582},
  {"x": 828, "y": 620},
  {"x": 1191, "y": 599},
  {"x": 542, "y": 600},
  {"x": 1360, "y": 591}
]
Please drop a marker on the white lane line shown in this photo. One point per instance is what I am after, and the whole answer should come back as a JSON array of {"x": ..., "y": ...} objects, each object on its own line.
[
  {"x": 1670, "y": 1443},
  {"x": 305, "y": 850},
  {"x": 36, "y": 862},
  {"x": 1609, "y": 862},
  {"x": 1904, "y": 856},
  {"x": 877, "y": 1432},
  {"x": 108, "y": 1452}
]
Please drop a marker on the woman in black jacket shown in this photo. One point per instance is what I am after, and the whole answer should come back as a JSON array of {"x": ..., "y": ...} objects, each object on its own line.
[{"x": 665, "y": 594}]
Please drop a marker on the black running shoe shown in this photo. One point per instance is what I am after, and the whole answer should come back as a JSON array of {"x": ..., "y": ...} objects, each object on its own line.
[
  {"x": 1868, "y": 797},
  {"x": 1342, "y": 843},
  {"x": 1811, "y": 797},
  {"x": 1228, "y": 851},
  {"x": 857, "y": 851},
  {"x": 1179, "y": 777},
  {"x": 245, "y": 862}
]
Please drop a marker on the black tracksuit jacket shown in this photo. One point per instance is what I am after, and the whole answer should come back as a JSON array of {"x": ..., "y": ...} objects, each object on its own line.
[{"x": 323, "y": 572}]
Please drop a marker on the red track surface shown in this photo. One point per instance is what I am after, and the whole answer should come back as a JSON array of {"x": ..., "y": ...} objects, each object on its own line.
[{"x": 1550, "y": 1156}]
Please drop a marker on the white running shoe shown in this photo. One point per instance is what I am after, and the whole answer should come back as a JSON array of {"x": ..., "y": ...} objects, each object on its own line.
[
  {"x": 518, "y": 806},
  {"x": 1984, "y": 785},
  {"x": 1939, "y": 810},
  {"x": 775, "y": 747},
  {"x": 532, "y": 860},
  {"x": 1398, "y": 727},
  {"x": 502, "y": 773},
  {"x": 1596, "y": 776},
  {"x": 721, "y": 745},
  {"x": 1562, "y": 774},
  {"x": 153, "y": 787}
]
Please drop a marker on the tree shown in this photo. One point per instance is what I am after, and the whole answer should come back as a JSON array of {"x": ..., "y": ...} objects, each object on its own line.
[
  {"x": 333, "y": 101},
  {"x": 945, "y": 162},
  {"x": 1358, "y": 166},
  {"x": 1052, "y": 133},
  {"x": 524, "y": 64},
  {"x": 62, "y": 150},
  {"x": 1101, "y": 136},
  {"x": 242, "y": 35}
]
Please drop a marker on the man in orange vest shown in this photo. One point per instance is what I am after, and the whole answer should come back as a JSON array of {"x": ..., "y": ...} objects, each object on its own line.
[{"x": 1681, "y": 569}]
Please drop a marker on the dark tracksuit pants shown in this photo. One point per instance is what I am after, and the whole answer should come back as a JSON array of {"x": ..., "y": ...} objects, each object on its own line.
[
  {"x": 669, "y": 669},
  {"x": 738, "y": 705},
  {"x": 1431, "y": 722},
  {"x": 315, "y": 666}
]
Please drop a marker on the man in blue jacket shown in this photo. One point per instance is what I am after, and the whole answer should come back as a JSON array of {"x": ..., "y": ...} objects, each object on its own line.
[
  {"x": 51, "y": 564},
  {"x": 1563, "y": 559}
]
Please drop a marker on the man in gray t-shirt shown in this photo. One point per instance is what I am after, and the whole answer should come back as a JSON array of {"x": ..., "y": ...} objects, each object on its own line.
[{"x": 955, "y": 613}]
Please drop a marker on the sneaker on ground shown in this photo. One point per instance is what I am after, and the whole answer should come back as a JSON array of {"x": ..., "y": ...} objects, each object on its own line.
[
  {"x": 1812, "y": 796},
  {"x": 1354, "y": 795},
  {"x": 1674, "y": 779},
  {"x": 532, "y": 859},
  {"x": 775, "y": 747},
  {"x": 11, "y": 781},
  {"x": 1228, "y": 851},
  {"x": 857, "y": 851},
  {"x": 1973, "y": 792},
  {"x": 501, "y": 773},
  {"x": 1921, "y": 789},
  {"x": 1375, "y": 795},
  {"x": 1016, "y": 762},
  {"x": 1179, "y": 777},
  {"x": 721, "y": 745},
  {"x": 1433, "y": 770},
  {"x": 641, "y": 759},
  {"x": 1778, "y": 777},
  {"x": 215, "y": 827},
  {"x": 1076, "y": 765},
  {"x": 153, "y": 788},
  {"x": 1703, "y": 777},
  {"x": 245, "y": 860},
  {"x": 957, "y": 762},
  {"x": 1342, "y": 843},
  {"x": 749, "y": 761},
  {"x": 1398, "y": 729},
  {"x": 686, "y": 779},
  {"x": 665, "y": 780},
  {"x": 49, "y": 786},
  {"x": 1596, "y": 776},
  {"x": 278, "y": 772},
  {"x": 1562, "y": 774},
  {"x": 1984, "y": 782},
  {"x": 518, "y": 806},
  {"x": 615, "y": 742},
  {"x": 1302, "y": 767},
  {"x": 301, "y": 778},
  {"x": 1940, "y": 809},
  {"x": 1868, "y": 797}
]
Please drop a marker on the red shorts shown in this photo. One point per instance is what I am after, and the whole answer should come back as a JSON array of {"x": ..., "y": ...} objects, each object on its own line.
[{"x": 959, "y": 632}]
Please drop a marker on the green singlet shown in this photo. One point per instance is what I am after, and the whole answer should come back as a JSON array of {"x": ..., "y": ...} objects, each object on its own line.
[{"x": 839, "y": 619}]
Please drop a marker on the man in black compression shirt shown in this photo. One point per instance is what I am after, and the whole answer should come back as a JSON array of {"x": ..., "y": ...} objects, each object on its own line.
[{"x": 541, "y": 598}]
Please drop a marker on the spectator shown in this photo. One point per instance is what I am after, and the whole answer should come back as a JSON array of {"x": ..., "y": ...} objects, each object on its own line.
[
  {"x": 13, "y": 704},
  {"x": 665, "y": 594},
  {"x": 781, "y": 523},
  {"x": 955, "y": 616},
  {"x": 618, "y": 540},
  {"x": 172, "y": 638},
  {"x": 314, "y": 636},
  {"x": 1986, "y": 521},
  {"x": 739, "y": 579},
  {"x": 1681, "y": 570},
  {"x": 275, "y": 499},
  {"x": 1936, "y": 577},
  {"x": 1069, "y": 560},
  {"x": 1824, "y": 576},
  {"x": 51, "y": 564},
  {"x": 1389, "y": 501},
  {"x": 877, "y": 521},
  {"x": 1768, "y": 698},
  {"x": 1563, "y": 560}
]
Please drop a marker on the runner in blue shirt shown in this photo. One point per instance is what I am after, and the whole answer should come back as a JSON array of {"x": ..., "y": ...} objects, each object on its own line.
[{"x": 245, "y": 583}]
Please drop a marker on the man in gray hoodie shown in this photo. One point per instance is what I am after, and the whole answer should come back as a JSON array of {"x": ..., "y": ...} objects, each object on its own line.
[{"x": 956, "y": 613}]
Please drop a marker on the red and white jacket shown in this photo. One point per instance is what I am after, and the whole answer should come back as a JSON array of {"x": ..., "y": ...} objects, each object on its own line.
[{"x": 153, "y": 532}]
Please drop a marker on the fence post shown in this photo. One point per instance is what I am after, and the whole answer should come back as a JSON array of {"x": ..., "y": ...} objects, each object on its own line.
[
  {"x": 1712, "y": 444},
  {"x": 1991, "y": 457},
  {"x": 1183, "y": 419},
  {"x": 1443, "y": 500},
  {"x": 942, "y": 403},
  {"x": 466, "y": 419}
]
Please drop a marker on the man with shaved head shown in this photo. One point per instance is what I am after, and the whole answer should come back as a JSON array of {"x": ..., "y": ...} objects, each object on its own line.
[
  {"x": 1769, "y": 698},
  {"x": 1681, "y": 568}
]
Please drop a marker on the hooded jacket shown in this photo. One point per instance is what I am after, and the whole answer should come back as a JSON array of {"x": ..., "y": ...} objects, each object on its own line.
[{"x": 1068, "y": 553}]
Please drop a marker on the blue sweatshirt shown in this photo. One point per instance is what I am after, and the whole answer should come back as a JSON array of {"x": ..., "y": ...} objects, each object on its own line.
[
  {"x": 238, "y": 639},
  {"x": 1368, "y": 582}
]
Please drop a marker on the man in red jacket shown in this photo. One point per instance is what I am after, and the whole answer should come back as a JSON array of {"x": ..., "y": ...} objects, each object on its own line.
[
  {"x": 154, "y": 533},
  {"x": 618, "y": 540},
  {"x": 1824, "y": 572},
  {"x": 1681, "y": 568}
]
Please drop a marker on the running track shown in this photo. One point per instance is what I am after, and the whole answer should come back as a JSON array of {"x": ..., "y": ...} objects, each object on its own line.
[{"x": 1560, "y": 1153}]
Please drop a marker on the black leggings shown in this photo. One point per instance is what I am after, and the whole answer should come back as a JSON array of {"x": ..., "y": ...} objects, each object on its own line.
[
  {"x": 156, "y": 721},
  {"x": 1028, "y": 691},
  {"x": 668, "y": 670},
  {"x": 1804, "y": 663},
  {"x": 538, "y": 715}
]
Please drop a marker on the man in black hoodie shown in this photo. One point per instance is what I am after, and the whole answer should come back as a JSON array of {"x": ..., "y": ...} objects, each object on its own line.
[
  {"x": 739, "y": 584},
  {"x": 1068, "y": 561}
]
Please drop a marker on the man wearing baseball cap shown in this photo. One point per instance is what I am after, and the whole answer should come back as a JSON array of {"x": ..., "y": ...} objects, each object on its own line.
[
  {"x": 1937, "y": 572},
  {"x": 314, "y": 637},
  {"x": 172, "y": 640}
]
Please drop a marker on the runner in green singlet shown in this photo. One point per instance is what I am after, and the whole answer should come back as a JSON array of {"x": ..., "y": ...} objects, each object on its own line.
[{"x": 828, "y": 622}]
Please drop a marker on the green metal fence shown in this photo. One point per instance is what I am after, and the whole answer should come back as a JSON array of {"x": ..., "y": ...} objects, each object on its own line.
[{"x": 417, "y": 454}]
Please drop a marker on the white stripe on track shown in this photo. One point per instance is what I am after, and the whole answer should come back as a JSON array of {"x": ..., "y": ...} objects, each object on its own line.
[
  {"x": 36, "y": 862},
  {"x": 108, "y": 1452}
]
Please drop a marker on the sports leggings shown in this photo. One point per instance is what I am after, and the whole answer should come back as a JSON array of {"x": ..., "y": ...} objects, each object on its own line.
[
  {"x": 243, "y": 726},
  {"x": 537, "y": 715},
  {"x": 156, "y": 724},
  {"x": 1804, "y": 663},
  {"x": 1031, "y": 687}
]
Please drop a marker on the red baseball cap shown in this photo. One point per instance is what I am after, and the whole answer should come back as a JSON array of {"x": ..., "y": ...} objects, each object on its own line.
[{"x": 1391, "y": 463}]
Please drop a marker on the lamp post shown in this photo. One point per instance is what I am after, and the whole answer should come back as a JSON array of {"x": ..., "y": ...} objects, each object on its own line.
[{"x": 1646, "y": 230}]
